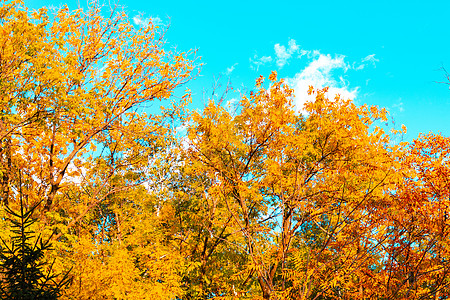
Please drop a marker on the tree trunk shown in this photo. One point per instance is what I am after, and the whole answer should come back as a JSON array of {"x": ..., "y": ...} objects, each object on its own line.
[
  {"x": 264, "y": 288},
  {"x": 5, "y": 167}
]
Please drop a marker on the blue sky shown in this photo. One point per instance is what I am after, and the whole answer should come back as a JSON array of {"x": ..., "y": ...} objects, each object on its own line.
[{"x": 385, "y": 53}]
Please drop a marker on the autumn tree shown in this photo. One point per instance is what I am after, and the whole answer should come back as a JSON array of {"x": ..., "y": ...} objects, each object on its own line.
[
  {"x": 76, "y": 90},
  {"x": 299, "y": 192},
  {"x": 265, "y": 201},
  {"x": 201, "y": 228},
  {"x": 415, "y": 260}
]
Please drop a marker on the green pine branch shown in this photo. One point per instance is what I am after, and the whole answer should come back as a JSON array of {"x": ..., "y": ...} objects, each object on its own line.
[{"x": 21, "y": 262}]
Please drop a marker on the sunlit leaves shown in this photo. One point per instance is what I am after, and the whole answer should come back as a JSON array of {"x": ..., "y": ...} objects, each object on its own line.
[
  {"x": 75, "y": 92},
  {"x": 296, "y": 184}
]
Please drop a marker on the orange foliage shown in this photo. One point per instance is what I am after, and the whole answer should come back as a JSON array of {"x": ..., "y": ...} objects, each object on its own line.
[{"x": 265, "y": 202}]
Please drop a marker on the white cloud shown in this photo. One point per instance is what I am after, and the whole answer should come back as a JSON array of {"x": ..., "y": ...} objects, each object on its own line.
[
  {"x": 140, "y": 21},
  {"x": 371, "y": 58},
  {"x": 74, "y": 174},
  {"x": 283, "y": 54},
  {"x": 368, "y": 59},
  {"x": 182, "y": 133},
  {"x": 359, "y": 67},
  {"x": 256, "y": 62},
  {"x": 137, "y": 20},
  {"x": 231, "y": 106},
  {"x": 399, "y": 105},
  {"x": 322, "y": 70},
  {"x": 54, "y": 8},
  {"x": 319, "y": 74},
  {"x": 231, "y": 69},
  {"x": 304, "y": 52}
]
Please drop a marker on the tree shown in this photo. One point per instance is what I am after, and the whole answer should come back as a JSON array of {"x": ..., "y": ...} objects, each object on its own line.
[
  {"x": 110, "y": 69},
  {"x": 21, "y": 262},
  {"x": 75, "y": 95},
  {"x": 301, "y": 192},
  {"x": 201, "y": 229},
  {"x": 263, "y": 202},
  {"x": 416, "y": 262}
]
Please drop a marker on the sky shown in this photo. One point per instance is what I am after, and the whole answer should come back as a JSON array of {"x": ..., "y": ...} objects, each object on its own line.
[{"x": 384, "y": 53}]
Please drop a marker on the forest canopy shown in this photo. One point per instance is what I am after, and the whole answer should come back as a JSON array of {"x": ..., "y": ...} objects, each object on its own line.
[{"x": 259, "y": 200}]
